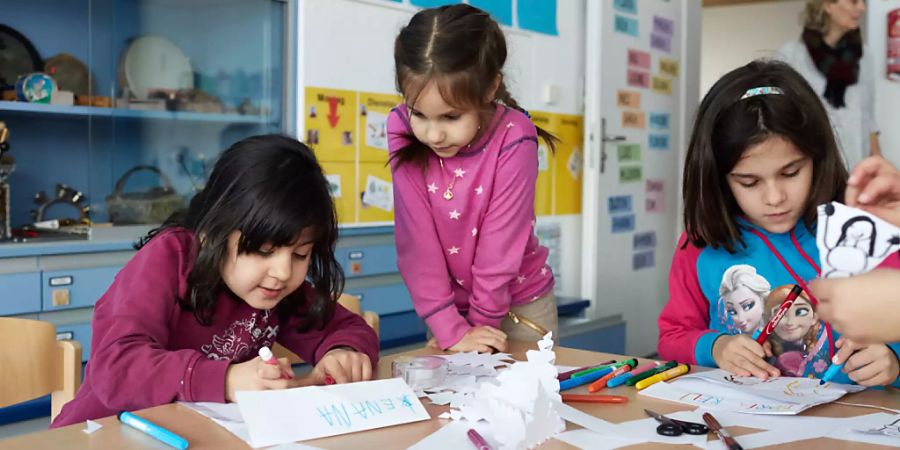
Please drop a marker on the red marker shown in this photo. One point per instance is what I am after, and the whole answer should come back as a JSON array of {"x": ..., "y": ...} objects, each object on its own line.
[
  {"x": 269, "y": 358},
  {"x": 762, "y": 335},
  {"x": 329, "y": 379},
  {"x": 566, "y": 375}
]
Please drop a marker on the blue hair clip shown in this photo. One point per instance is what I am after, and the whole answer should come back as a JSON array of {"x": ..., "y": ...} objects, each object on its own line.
[{"x": 762, "y": 91}]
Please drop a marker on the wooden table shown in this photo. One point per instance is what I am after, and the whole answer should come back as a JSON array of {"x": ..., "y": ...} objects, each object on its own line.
[{"x": 204, "y": 434}]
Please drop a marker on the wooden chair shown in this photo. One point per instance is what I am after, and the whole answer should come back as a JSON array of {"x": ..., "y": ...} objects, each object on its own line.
[
  {"x": 33, "y": 364},
  {"x": 351, "y": 302}
]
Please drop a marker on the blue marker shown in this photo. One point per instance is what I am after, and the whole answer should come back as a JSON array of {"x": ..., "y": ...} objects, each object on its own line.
[
  {"x": 832, "y": 370},
  {"x": 585, "y": 379},
  {"x": 155, "y": 431}
]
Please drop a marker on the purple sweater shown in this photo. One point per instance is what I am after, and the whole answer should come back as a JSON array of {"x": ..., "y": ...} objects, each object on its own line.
[
  {"x": 147, "y": 351},
  {"x": 467, "y": 260}
]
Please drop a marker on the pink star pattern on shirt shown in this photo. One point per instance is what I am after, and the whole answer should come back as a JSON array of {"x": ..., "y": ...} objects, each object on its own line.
[
  {"x": 510, "y": 125},
  {"x": 432, "y": 188},
  {"x": 453, "y": 250},
  {"x": 479, "y": 190},
  {"x": 460, "y": 282},
  {"x": 474, "y": 232},
  {"x": 544, "y": 271},
  {"x": 521, "y": 279},
  {"x": 454, "y": 215},
  {"x": 459, "y": 172}
]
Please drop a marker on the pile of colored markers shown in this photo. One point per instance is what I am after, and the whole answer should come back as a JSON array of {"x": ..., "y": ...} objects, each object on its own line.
[{"x": 611, "y": 374}]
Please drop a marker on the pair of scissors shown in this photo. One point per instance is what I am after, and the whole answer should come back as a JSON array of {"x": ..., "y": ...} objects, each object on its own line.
[{"x": 672, "y": 427}]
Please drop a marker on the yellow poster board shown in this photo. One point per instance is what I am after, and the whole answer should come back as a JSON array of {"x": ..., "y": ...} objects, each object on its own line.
[
  {"x": 543, "y": 190},
  {"x": 375, "y": 195},
  {"x": 342, "y": 179},
  {"x": 330, "y": 119},
  {"x": 373, "y": 112},
  {"x": 568, "y": 165}
]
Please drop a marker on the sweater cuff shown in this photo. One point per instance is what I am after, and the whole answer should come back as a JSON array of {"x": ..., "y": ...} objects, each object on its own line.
[
  {"x": 703, "y": 349},
  {"x": 448, "y": 326},
  {"x": 204, "y": 380},
  {"x": 476, "y": 317}
]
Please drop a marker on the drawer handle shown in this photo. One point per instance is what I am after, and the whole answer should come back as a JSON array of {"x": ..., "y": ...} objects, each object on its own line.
[
  {"x": 62, "y": 281},
  {"x": 66, "y": 335},
  {"x": 356, "y": 255}
]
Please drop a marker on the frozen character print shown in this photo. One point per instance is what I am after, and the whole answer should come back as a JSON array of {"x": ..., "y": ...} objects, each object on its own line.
[{"x": 742, "y": 295}]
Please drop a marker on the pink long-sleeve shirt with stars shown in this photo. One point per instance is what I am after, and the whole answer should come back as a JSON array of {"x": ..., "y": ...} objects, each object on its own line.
[{"x": 467, "y": 260}]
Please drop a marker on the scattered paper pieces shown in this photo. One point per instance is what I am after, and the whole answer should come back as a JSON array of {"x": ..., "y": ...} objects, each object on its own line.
[
  {"x": 453, "y": 436},
  {"x": 587, "y": 439},
  {"x": 852, "y": 241},
  {"x": 91, "y": 427},
  {"x": 226, "y": 415}
]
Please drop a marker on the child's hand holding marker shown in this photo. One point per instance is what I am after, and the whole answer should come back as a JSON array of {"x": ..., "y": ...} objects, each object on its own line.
[
  {"x": 342, "y": 365},
  {"x": 259, "y": 374},
  {"x": 867, "y": 365},
  {"x": 743, "y": 356}
]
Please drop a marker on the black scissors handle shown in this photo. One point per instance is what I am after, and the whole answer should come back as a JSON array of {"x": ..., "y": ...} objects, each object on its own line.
[
  {"x": 692, "y": 427},
  {"x": 669, "y": 429}
]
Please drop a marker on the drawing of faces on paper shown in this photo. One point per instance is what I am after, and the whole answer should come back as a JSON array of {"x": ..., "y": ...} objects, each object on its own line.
[
  {"x": 742, "y": 295},
  {"x": 798, "y": 337},
  {"x": 852, "y": 241}
]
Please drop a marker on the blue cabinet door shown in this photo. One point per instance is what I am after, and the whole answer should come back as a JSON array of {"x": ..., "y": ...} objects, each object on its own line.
[
  {"x": 20, "y": 293},
  {"x": 75, "y": 288}
]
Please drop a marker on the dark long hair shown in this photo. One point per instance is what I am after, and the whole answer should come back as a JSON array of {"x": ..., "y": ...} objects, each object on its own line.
[
  {"x": 463, "y": 50},
  {"x": 726, "y": 125},
  {"x": 269, "y": 188}
]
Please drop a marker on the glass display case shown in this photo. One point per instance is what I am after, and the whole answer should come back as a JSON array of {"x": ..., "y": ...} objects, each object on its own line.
[{"x": 117, "y": 109}]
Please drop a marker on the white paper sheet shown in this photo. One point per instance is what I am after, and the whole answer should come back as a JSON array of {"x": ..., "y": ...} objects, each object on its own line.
[
  {"x": 275, "y": 417},
  {"x": 379, "y": 193},
  {"x": 719, "y": 390},
  {"x": 589, "y": 440},
  {"x": 376, "y": 130},
  {"x": 453, "y": 436},
  {"x": 91, "y": 426},
  {"x": 226, "y": 415},
  {"x": 852, "y": 241}
]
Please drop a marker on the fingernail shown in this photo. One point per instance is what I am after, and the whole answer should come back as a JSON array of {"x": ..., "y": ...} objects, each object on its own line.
[
  {"x": 329, "y": 379},
  {"x": 852, "y": 180},
  {"x": 864, "y": 198}
]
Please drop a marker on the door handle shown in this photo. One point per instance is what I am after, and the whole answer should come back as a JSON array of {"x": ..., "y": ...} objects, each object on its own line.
[{"x": 604, "y": 138}]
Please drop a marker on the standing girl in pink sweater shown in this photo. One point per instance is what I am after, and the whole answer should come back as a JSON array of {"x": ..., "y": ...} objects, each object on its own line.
[
  {"x": 250, "y": 263},
  {"x": 464, "y": 163}
]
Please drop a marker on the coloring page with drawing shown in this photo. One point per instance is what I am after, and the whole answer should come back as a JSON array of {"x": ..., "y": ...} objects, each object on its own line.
[
  {"x": 720, "y": 390},
  {"x": 852, "y": 241}
]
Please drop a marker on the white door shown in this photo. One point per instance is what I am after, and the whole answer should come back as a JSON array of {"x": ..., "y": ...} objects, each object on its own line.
[{"x": 641, "y": 95}]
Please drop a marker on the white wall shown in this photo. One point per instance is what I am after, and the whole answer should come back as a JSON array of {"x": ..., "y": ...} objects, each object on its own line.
[
  {"x": 348, "y": 44},
  {"x": 887, "y": 93},
  {"x": 736, "y": 35}
]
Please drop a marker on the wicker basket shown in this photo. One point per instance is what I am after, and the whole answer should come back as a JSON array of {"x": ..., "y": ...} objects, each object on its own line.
[{"x": 152, "y": 206}]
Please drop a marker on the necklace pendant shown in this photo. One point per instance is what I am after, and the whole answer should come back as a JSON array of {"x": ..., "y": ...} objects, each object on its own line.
[{"x": 448, "y": 194}]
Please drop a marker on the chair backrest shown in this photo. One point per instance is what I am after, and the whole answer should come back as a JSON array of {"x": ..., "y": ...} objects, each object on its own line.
[
  {"x": 33, "y": 364},
  {"x": 352, "y": 303}
]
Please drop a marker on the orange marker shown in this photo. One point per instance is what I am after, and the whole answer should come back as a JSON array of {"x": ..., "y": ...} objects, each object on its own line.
[
  {"x": 587, "y": 398},
  {"x": 601, "y": 383}
]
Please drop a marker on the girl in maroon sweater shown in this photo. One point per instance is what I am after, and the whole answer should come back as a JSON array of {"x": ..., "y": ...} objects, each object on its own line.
[{"x": 250, "y": 263}]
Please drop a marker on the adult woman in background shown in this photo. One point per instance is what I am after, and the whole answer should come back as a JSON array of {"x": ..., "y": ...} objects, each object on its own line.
[{"x": 830, "y": 55}]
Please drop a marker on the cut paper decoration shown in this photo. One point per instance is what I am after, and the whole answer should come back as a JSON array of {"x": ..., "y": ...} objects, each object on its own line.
[
  {"x": 639, "y": 59},
  {"x": 628, "y": 99},
  {"x": 272, "y": 417},
  {"x": 91, "y": 426},
  {"x": 852, "y": 241},
  {"x": 637, "y": 78},
  {"x": 626, "y": 25},
  {"x": 720, "y": 390}
]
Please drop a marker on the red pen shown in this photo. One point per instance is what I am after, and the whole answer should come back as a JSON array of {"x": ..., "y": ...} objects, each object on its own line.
[
  {"x": 595, "y": 398},
  {"x": 329, "y": 379},
  {"x": 478, "y": 440},
  {"x": 266, "y": 354},
  {"x": 762, "y": 335},
  {"x": 566, "y": 375}
]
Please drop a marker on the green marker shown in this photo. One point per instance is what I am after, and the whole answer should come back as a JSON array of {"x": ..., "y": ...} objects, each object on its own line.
[{"x": 649, "y": 373}]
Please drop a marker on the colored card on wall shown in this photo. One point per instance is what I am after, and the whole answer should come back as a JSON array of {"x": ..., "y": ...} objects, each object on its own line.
[
  {"x": 537, "y": 15},
  {"x": 625, "y": 25},
  {"x": 543, "y": 190},
  {"x": 639, "y": 59},
  {"x": 375, "y": 194},
  {"x": 629, "y": 152},
  {"x": 342, "y": 181},
  {"x": 661, "y": 42},
  {"x": 634, "y": 119},
  {"x": 630, "y": 174},
  {"x": 662, "y": 85},
  {"x": 619, "y": 204},
  {"x": 628, "y": 99},
  {"x": 433, "y": 3},
  {"x": 658, "y": 141},
  {"x": 643, "y": 260},
  {"x": 668, "y": 67},
  {"x": 623, "y": 223},
  {"x": 645, "y": 240},
  {"x": 661, "y": 25},
  {"x": 655, "y": 204},
  {"x": 330, "y": 120},
  {"x": 500, "y": 10},
  {"x": 655, "y": 185},
  {"x": 373, "y": 112},
  {"x": 626, "y": 6},
  {"x": 659, "y": 121},
  {"x": 637, "y": 78},
  {"x": 567, "y": 165}
]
